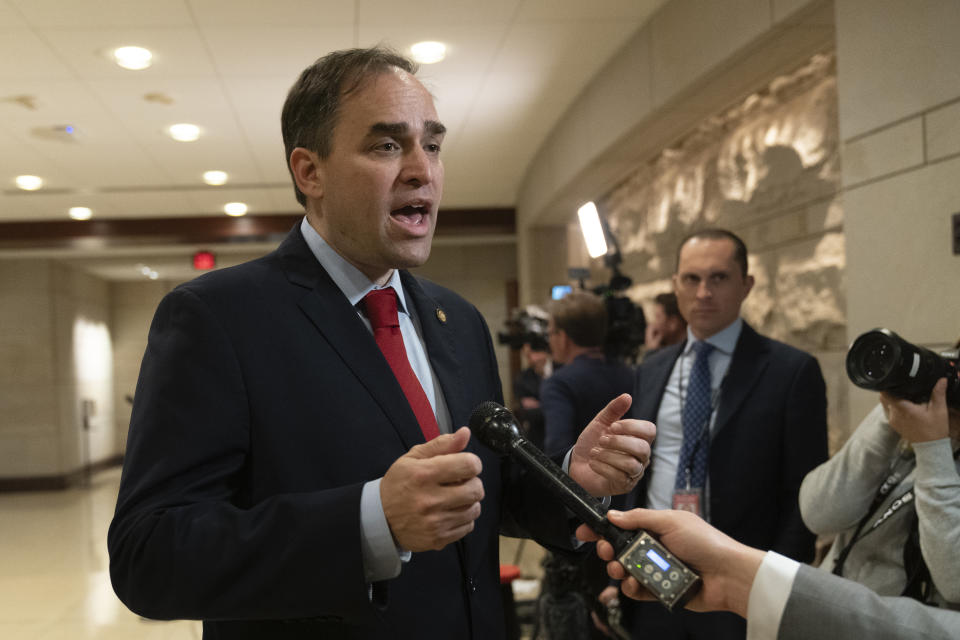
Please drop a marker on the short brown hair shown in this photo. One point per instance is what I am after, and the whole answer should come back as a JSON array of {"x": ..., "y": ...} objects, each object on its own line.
[
  {"x": 313, "y": 102},
  {"x": 669, "y": 303},
  {"x": 583, "y": 316},
  {"x": 739, "y": 248}
]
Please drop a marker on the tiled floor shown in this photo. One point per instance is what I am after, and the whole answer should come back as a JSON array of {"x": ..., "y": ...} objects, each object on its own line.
[{"x": 54, "y": 580}]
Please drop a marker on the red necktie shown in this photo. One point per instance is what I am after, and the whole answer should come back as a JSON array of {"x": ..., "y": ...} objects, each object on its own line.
[{"x": 381, "y": 308}]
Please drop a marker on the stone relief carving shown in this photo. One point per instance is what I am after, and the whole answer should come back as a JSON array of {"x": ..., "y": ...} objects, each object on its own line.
[{"x": 768, "y": 169}]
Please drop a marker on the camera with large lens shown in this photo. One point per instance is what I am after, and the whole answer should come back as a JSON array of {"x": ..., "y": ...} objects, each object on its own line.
[{"x": 880, "y": 360}]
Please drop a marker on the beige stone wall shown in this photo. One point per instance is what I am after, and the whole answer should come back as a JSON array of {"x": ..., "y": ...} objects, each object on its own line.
[
  {"x": 29, "y": 414},
  {"x": 132, "y": 308},
  {"x": 69, "y": 336},
  {"x": 767, "y": 169},
  {"x": 56, "y": 347},
  {"x": 899, "y": 118},
  {"x": 877, "y": 255}
]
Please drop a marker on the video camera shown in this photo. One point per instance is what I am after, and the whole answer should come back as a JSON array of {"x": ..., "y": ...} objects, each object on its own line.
[
  {"x": 526, "y": 326},
  {"x": 626, "y": 326},
  {"x": 880, "y": 360}
]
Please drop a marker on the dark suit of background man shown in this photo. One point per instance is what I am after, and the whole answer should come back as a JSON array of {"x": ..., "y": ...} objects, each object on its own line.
[
  {"x": 277, "y": 478},
  {"x": 766, "y": 427},
  {"x": 584, "y": 383}
]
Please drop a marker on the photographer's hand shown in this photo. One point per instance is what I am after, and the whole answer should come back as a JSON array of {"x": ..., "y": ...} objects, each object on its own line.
[{"x": 919, "y": 422}]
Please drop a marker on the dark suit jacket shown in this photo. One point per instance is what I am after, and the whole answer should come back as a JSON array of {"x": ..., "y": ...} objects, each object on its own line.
[
  {"x": 575, "y": 393},
  {"x": 262, "y": 408},
  {"x": 771, "y": 429}
]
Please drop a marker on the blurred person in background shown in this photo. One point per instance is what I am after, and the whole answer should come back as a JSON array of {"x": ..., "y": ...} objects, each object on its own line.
[
  {"x": 667, "y": 326},
  {"x": 584, "y": 380}
]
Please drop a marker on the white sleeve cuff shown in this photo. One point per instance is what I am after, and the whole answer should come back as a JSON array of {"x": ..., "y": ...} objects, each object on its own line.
[
  {"x": 381, "y": 556},
  {"x": 768, "y": 596}
]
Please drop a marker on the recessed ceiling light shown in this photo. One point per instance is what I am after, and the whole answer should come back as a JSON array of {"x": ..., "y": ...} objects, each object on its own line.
[
  {"x": 184, "y": 132},
  {"x": 29, "y": 183},
  {"x": 235, "y": 208},
  {"x": 215, "y": 177},
  {"x": 428, "y": 52},
  {"x": 133, "y": 58},
  {"x": 80, "y": 213}
]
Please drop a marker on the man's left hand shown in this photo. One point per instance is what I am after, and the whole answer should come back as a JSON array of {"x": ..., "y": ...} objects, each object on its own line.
[{"x": 612, "y": 453}]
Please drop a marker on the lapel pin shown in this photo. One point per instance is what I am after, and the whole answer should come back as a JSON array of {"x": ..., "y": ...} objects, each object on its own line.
[{"x": 441, "y": 316}]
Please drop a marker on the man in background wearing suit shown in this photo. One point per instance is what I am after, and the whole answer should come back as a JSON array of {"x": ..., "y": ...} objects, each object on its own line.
[
  {"x": 587, "y": 379},
  {"x": 780, "y": 598},
  {"x": 740, "y": 420},
  {"x": 294, "y": 467},
  {"x": 584, "y": 383}
]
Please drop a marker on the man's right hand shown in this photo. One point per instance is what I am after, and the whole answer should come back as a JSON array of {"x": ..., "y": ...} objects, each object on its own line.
[{"x": 431, "y": 496}]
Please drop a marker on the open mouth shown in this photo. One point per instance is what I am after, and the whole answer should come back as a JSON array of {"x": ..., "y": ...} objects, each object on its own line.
[{"x": 411, "y": 214}]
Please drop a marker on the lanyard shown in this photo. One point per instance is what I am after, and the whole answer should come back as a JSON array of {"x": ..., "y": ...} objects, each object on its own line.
[
  {"x": 895, "y": 476},
  {"x": 893, "y": 479}
]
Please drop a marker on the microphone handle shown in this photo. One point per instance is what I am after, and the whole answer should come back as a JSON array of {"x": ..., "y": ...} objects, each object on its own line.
[{"x": 575, "y": 497}]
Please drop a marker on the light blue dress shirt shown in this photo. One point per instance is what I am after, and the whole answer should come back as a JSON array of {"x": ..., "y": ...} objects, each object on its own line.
[
  {"x": 666, "y": 448},
  {"x": 381, "y": 557}
]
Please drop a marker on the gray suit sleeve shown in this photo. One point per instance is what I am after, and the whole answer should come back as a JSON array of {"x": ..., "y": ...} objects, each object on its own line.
[{"x": 826, "y": 607}]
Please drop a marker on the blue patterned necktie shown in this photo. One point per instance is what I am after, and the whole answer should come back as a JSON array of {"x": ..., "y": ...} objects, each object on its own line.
[{"x": 694, "y": 451}]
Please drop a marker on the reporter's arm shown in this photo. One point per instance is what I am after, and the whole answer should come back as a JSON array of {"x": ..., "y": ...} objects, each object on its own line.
[
  {"x": 735, "y": 577},
  {"x": 926, "y": 426},
  {"x": 937, "y": 487},
  {"x": 827, "y": 607},
  {"x": 836, "y": 494}
]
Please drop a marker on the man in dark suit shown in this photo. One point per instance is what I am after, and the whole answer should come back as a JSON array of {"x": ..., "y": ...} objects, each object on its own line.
[
  {"x": 284, "y": 475},
  {"x": 586, "y": 380},
  {"x": 581, "y": 386},
  {"x": 737, "y": 454}
]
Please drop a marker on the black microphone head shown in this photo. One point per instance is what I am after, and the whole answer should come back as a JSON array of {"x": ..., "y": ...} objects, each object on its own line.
[{"x": 495, "y": 426}]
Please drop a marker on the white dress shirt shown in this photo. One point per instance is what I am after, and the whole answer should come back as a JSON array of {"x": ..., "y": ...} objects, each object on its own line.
[{"x": 769, "y": 594}]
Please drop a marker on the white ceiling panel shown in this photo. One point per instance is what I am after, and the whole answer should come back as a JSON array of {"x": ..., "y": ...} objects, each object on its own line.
[
  {"x": 581, "y": 12},
  {"x": 102, "y": 13},
  {"x": 391, "y": 14},
  {"x": 513, "y": 67},
  {"x": 296, "y": 48},
  {"x": 10, "y": 17},
  {"x": 276, "y": 13},
  {"x": 20, "y": 208},
  {"x": 177, "y": 51},
  {"x": 27, "y": 56},
  {"x": 211, "y": 200}
]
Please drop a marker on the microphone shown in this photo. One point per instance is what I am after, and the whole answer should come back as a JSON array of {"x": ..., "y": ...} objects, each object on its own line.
[{"x": 642, "y": 555}]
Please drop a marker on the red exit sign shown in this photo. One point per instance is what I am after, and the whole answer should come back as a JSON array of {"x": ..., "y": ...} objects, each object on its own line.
[{"x": 204, "y": 260}]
